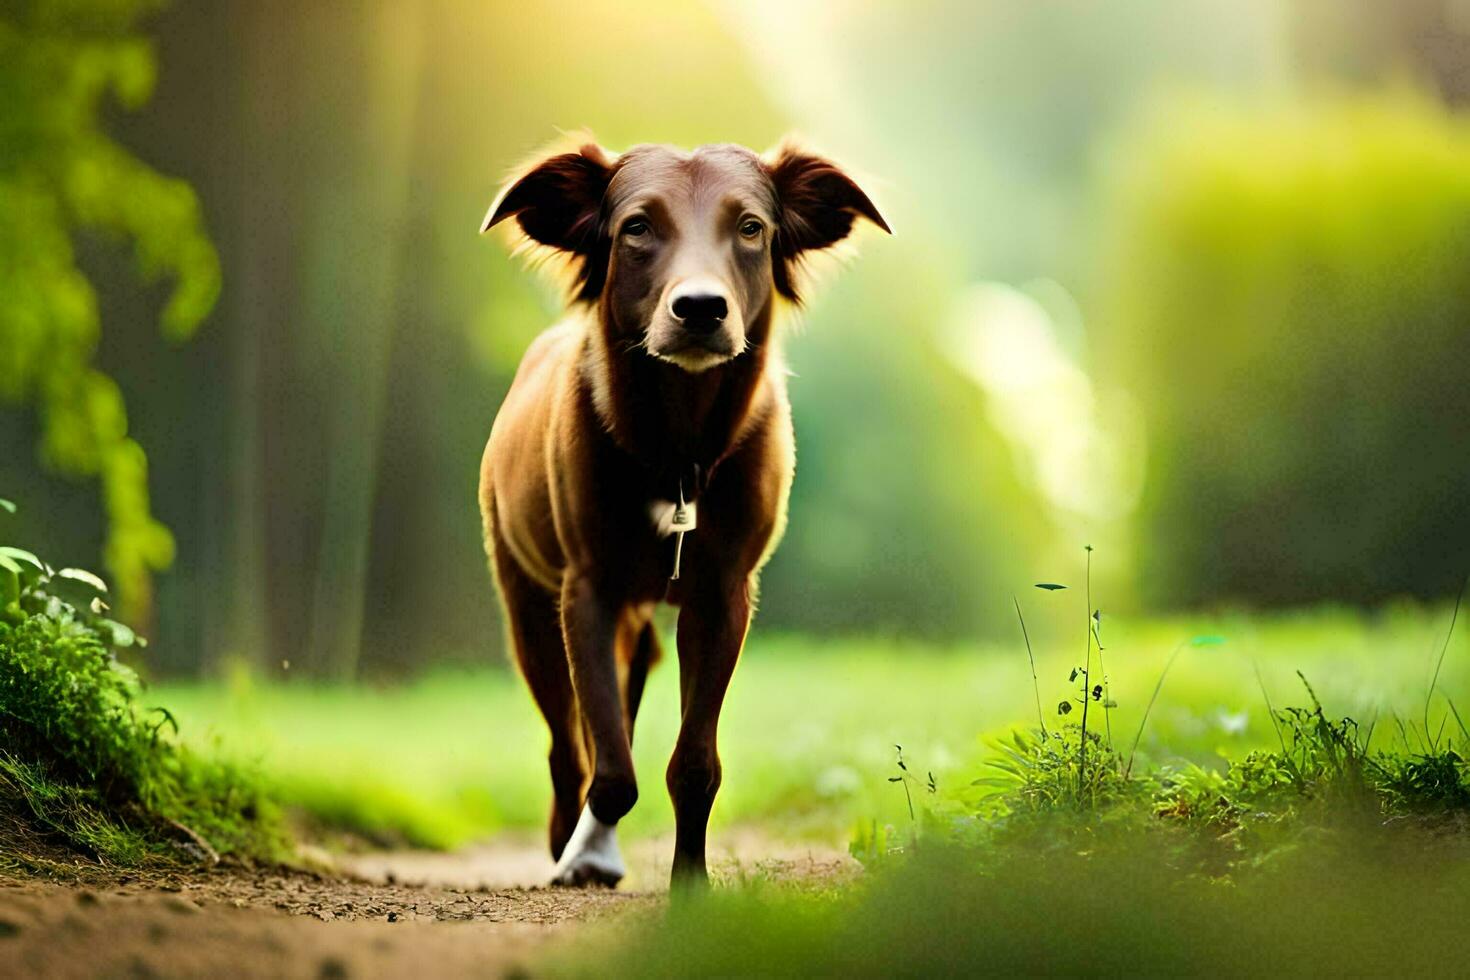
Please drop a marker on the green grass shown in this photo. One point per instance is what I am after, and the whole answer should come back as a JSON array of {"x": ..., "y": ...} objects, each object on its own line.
[
  {"x": 1342, "y": 903},
  {"x": 809, "y": 729}
]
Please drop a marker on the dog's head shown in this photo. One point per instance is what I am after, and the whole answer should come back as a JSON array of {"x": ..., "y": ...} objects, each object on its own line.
[{"x": 683, "y": 252}]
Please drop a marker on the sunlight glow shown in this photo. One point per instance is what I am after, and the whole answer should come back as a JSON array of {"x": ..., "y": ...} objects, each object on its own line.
[{"x": 1083, "y": 452}]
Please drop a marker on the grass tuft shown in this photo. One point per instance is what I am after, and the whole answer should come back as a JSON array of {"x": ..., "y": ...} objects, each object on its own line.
[{"x": 84, "y": 757}]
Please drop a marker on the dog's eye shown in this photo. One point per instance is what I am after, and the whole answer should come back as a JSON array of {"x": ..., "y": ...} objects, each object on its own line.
[
  {"x": 636, "y": 228},
  {"x": 750, "y": 228}
]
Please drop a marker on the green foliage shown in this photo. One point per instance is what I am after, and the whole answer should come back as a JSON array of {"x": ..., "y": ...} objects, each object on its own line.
[
  {"x": 1285, "y": 287},
  {"x": 903, "y": 480},
  {"x": 1060, "y": 785},
  {"x": 61, "y": 62},
  {"x": 1324, "y": 766},
  {"x": 1341, "y": 903},
  {"x": 80, "y": 754}
]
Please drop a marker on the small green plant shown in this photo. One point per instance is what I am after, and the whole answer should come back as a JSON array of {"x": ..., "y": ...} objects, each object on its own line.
[
  {"x": 1069, "y": 769},
  {"x": 83, "y": 757},
  {"x": 1087, "y": 691}
]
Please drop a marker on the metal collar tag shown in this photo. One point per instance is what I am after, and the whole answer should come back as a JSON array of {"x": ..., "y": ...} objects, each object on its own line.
[{"x": 677, "y": 519}]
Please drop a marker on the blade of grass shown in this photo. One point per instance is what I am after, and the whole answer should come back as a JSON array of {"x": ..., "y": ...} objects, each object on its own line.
[
  {"x": 1455, "y": 615},
  {"x": 1464, "y": 733},
  {"x": 1270, "y": 709},
  {"x": 1035, "y": 681},
  {"x": 1158, "y": 686}
]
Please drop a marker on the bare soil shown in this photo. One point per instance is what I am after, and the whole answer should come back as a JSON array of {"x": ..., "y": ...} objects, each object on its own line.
[{"x": 481, "y": 912}]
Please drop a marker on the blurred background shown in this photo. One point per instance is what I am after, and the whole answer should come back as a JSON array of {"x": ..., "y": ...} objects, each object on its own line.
[{"x": 1184, "y": 280}]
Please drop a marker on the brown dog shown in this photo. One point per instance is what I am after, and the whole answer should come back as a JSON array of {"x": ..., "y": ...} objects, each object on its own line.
[{"x": 658, "y": 405}]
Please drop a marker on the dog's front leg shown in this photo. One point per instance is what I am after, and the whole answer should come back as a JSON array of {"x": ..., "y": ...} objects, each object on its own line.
[
  {"x": 712, "y": 625},
  {"x": 589, "y": 624}
]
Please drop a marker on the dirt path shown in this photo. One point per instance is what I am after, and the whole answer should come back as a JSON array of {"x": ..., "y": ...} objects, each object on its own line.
[{"x": 479, "y": 912}]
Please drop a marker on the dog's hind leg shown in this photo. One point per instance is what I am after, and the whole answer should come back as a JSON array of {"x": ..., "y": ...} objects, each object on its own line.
[
  {"x": 641, "y": 654},
  {"x": 535, "y": 631}
]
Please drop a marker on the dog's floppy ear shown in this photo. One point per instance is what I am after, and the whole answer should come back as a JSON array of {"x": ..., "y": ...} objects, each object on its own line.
[
  {"x": 558, "y": 201},
  {"x": 817, "y": 205}
]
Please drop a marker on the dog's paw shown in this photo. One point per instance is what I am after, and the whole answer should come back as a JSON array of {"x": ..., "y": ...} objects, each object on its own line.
[
  {"x": 591, "y": 856},
  {"x": 584, "y": 873}
]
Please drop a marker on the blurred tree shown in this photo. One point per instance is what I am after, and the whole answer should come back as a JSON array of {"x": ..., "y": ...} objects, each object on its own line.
[
  {"x": 907, "y": 516},
  {"x": 1288, "y": 299},
  {"x": 1368, "y": 41},
  {"x": 985, "y": 115},
  {"x": 372, "y": 198},
  {"x": 61, "y": 176}
]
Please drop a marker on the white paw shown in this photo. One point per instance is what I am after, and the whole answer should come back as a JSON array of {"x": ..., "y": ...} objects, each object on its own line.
[{"x": 591, "y": 856}]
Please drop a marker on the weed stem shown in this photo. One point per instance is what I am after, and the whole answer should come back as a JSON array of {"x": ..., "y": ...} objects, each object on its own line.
[
  {"x": 1086, "y": 687},
  {"x": 1035, "y": 681}
]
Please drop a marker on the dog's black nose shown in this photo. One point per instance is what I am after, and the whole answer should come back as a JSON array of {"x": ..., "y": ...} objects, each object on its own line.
[{"x": 701, "y": 312}]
